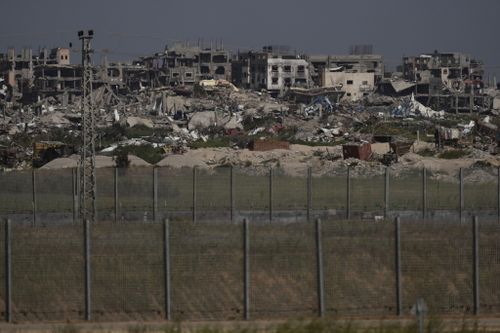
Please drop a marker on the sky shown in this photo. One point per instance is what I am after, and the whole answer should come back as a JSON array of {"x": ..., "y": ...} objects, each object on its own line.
[{"x": 127, "y": 29}]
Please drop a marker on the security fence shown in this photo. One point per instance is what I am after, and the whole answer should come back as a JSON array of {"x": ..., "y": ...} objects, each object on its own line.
[
  {"x": 246, "y": 270},
  {"x": 151, "y": 194}
]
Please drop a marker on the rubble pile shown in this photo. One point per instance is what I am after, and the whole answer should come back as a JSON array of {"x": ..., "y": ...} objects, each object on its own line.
[{"x": 215, "y": 114}]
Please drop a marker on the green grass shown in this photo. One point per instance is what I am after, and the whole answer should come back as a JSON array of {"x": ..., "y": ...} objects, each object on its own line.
[
  {"x": 147, "y": 152},
  {"x": 453, "y": 154},
  {"x": 218, "y": 142},
  {"x": 426, "y": 152}
]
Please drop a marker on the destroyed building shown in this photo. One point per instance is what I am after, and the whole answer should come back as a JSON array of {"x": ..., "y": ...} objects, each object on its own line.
[
  {"x": 452, "y": 71},
  {"x": 186, "y": 65},
  {"x": 355, "y": 85},
  {"x": 274, "y": 69},
  {"x": 353, "y": 63},
  {"x": 356, "y": 74},
  {"x": 18, "y": 70},
  {"x": 44, "y": 73},
  {"x": 452, "y": 81}
]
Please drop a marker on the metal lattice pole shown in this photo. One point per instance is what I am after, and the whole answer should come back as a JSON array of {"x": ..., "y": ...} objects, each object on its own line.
[{"x": 87, "y": 157}]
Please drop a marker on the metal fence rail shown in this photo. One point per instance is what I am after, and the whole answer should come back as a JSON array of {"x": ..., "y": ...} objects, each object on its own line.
[
  {"x": 250, "y": 270},
  {"x": 151, "y": 194}
]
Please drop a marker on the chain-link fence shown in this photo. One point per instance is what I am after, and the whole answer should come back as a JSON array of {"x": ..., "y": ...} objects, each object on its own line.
[
  {"x": 246, "y": 270},
  {"x": 151, "y": 194}
]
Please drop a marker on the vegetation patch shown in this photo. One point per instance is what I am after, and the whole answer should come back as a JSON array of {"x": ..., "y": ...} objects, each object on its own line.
[
  {"x": 148, "y": 153},
  {"x": 426, "y": 152},
  {"x": 218, "y": 142},
  {"x": 453, "y": 154}
]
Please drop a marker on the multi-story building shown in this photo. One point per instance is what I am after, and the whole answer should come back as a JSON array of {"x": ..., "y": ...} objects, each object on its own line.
[
  {"x": 453, "y": 72},
  {"x": 352, "y": 63},
  {"x": 45, "y": 72},
  {"x": 274, "y": 69},
  {"x": 185, "y": 64}
]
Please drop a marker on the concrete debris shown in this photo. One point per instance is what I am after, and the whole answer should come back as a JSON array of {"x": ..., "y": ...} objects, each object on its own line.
[
  {"x": 234, "y": 122},
  {"x": 320, "y": 105},
  {"x": 138, "y": 121},
  {"x": 202, "y": 119},
  {"x": 410, "y": 107},
  {"x": 182, "y": 108},
  {"x": 213, "y": 84}
]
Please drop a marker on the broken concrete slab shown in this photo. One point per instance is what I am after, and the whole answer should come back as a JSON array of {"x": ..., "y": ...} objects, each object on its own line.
[
  {"x": 138, "y": 121},
  {"x": 203, "y": 119}
]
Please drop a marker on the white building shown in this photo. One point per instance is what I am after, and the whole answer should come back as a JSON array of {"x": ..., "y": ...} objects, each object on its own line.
[{"x": 355, "y": 85}]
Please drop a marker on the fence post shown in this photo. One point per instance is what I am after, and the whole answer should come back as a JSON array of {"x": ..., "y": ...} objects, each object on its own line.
[
  {"x": 166, "y": 267},
  {"x": 115, "y": 193},
  {"x": 386, "y": 193},
  {"x": 348, "y": 203},
  {"x": 498, "y": 194},
  {"x": 398, "y": 265},
  {"x": 8, "y": 273},
  {"x": 309, "y": 193},
  {"x": 246, "y": 269},
  {"x": 78, "y": 190},
  {"x": 74, "y": 189},
  {"x": 270, "y": 194},
  {"x": 155, "y": 194},
  {"x": 231, "y": 192},
  {"x": 194, "y": 194},
  {"x": 86, "y": 235},
  {"x": 34, "y": 201},
  {"x": 475, "y": 256},
  {"x": 424, "y": 193},
  {"x": 461, "y": 210},
  {"x": 319, "y": 260}
]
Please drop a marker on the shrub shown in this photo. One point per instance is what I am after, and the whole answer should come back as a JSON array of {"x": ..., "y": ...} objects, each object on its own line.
[{"x": 453, "y": 154}]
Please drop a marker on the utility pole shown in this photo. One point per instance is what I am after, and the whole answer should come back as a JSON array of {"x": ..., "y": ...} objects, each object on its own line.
[{"x": 87, "y": 157}]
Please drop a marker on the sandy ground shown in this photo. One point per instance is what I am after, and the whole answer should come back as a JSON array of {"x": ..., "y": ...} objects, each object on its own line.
[
  {"x": 456, "y": 323},
  {"x": 100, "y": 161},
  {"x": 323, "y": 160}
]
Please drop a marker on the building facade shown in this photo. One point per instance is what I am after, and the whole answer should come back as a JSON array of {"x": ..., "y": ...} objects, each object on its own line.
[
  {"x": 273, "y": 69},
  {"x": 453, "y": 72},
  {"x": 185, "y": 64},
  {"x": 353, "y": 63},
  {"x": 355, "y": 85}
]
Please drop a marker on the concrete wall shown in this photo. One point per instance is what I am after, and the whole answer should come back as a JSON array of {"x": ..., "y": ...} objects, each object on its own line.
[
  {"x": 355, "y": 85},
  {"x": 63, "y": 56}
]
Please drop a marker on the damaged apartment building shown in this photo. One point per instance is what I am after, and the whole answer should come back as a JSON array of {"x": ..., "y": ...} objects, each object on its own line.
[
  {"x": 449, "y": 80},
  {"x": 183, "y": 64},
  {"x": 45, "y": 73},
  {"x": 274, "y": 69},
  {"x": 356, "y": 74},
  {"x": 443, "y": 81}
]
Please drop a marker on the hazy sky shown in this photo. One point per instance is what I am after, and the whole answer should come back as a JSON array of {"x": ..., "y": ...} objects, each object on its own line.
[{"x": 130, "y": 28}]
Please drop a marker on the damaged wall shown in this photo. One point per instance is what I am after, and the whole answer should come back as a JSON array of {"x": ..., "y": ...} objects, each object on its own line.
[{"x": 355, "y": 85}]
